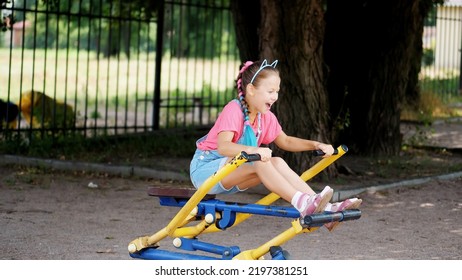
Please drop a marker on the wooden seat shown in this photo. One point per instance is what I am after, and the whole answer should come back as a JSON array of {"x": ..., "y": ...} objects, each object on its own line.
[{"x": 175, "y": 192}]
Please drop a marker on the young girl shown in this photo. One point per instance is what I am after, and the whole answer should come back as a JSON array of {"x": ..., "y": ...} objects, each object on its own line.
[{"x": 246, "y": 123}]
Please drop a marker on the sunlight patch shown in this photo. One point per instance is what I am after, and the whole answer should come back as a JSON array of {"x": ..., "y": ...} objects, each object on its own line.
[
  {"x": 457, "y": 231},
  {"x": 427, "y": 205}
]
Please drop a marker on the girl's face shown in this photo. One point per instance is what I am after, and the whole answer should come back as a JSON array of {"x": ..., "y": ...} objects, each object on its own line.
[{"x": 260, "y": 98}]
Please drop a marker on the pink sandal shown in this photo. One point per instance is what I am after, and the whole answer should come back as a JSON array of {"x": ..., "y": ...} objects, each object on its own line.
[
  {"x": 351, "y": 203},
  {"x": 317, "y": 202}
]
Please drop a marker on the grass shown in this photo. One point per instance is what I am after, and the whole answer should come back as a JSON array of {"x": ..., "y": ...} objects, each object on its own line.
[
  {"x": 85, "y": 75},
  {"x": 130, "y": 149},
  {"x": 431, "y": 107},
  {"x": 95, "y": 85}
]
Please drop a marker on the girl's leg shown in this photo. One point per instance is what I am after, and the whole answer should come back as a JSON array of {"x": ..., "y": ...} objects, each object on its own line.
[
  {"x": 276, "y": 175},
  {"x": 295, "y": 191},
  {"x": 290, "y": 175},
  {"x": 250, "y": 175}
]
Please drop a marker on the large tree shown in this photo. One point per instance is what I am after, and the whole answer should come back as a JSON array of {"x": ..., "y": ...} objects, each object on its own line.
[
  {"x": 292, "y": 32},
  {"x": 373, "y": 50},
  {"x": 346, "y": 70}
]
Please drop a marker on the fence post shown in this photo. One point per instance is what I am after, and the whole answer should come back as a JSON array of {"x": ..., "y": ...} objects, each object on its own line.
[
  {"x": 197, "y": 107},
  {"x": 158, "y": 74},
  {"x": 460, "y": 64}
]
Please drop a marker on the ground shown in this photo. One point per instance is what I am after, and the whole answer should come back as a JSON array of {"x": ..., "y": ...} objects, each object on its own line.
[
  {"x": 57, "y": 216},
  {"x": 52, "y": 214}
]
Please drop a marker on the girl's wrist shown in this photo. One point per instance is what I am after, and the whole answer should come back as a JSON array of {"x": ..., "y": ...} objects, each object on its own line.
[{"x": 317, "y": 145}]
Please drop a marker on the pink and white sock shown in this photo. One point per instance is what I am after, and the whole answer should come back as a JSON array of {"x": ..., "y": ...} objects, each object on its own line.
[{"x": 300, "y": 201}]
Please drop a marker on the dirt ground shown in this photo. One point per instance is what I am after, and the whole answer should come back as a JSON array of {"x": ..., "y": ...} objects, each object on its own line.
[
  {"x": 48, "y": 214},
  {"x": 56, "y": 215}
]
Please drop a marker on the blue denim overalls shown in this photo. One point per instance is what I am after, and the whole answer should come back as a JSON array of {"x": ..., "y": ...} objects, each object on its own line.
[{"x": 205, "y": 163}]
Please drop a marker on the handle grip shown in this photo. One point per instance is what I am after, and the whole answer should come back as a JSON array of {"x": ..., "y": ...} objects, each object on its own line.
[
  {"x": 321, "y": 153},
  {"x": 251, "y": 157}
]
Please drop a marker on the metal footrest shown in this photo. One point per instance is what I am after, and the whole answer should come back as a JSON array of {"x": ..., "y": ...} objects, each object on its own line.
[{"x": 319, "y": 219}]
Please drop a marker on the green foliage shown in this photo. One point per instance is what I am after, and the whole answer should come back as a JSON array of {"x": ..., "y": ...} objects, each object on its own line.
[
  {"x": 95, "y": 115},
  {"x": 430, "y": 19},
  {"x": 343, "y": 122},
  {"x": 197, "y": 32},
  {"x": 104, "y": 149},
  {"x": 431, "y": 106},
  {"x": 112, "y": 27},
  {"x": 445, "y": 87},
  {"x": 145, "y": 10},
  {"x": 35, "y": 143},
  {"x": 428, "y": 57},
  {"x": 101, "y": 26}
]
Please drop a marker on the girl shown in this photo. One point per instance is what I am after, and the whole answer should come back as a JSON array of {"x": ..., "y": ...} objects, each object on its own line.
[{"x": 246, "y": 123}]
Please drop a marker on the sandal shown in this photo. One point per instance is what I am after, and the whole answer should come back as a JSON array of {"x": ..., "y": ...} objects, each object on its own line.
[
  {"x": 317, "y": 202},
  {"x": 351, "y": 203}
]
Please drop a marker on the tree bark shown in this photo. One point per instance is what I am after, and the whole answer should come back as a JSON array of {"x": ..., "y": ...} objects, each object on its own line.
[
  {"x": 413, "y": 93},
  {"x": 371, "y": 49},
  {"x": 246, "y": 15},
  {"x": 292, "y": 32}
]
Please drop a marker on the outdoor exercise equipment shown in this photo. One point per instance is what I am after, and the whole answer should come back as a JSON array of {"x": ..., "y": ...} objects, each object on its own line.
[{"x": 202, "y": 213}]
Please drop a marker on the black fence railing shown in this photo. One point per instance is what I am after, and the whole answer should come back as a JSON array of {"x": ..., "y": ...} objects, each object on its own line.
[
  {"x": 105, "y": 68},
  {"x": 441, "y": 63}
]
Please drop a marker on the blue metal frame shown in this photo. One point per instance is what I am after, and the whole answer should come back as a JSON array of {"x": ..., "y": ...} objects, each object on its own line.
[
  {"x": 213, "y": 205},
  {"x": 228, "y": 212},
  {"x": 216, "y": 215}
]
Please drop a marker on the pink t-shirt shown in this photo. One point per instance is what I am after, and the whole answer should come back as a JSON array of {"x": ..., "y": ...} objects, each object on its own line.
[{"x": 231, "y": 118}]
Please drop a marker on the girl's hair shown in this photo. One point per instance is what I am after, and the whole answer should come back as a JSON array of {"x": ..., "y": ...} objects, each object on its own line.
[{"x": 252, "y": 72}]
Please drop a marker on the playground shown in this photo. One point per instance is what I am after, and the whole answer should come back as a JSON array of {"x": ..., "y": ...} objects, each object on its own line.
[
  {"x": 57, "y": 216},
  {"x": 81, "y": 215},
  {"x": 411, "y": 210}
]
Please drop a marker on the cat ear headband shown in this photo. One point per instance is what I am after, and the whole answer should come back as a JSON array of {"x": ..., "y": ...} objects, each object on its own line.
[{"x": 263, "y": 65}]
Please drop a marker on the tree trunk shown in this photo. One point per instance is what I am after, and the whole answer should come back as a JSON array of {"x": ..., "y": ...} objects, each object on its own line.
[
  {"x": 372, "y": 56},
  {"x": 412, "y": 95},
  {"x": 292, "y": 32},
  {"x": 246, "y": 15}
]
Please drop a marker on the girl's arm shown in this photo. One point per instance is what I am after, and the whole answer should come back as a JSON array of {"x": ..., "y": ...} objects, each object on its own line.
[
  {"x": 228, "y": 148},
  {"x": 295, "y": 144}
]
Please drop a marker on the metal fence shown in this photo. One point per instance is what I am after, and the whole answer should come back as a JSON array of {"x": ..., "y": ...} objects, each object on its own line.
[
  {"x": 101, "y": 67},
  {"x": 441, "y": 63},
  {"x": 96, "y": 67}
]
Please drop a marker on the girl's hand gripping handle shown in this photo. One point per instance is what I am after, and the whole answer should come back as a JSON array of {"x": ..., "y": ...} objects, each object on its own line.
[{"x": 251, "y": 157}]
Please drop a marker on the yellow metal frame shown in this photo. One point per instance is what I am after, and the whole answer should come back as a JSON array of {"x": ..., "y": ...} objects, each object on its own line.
[{"x": 188, "y": 212}]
